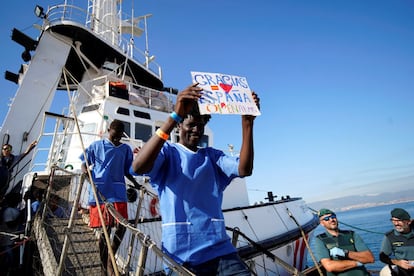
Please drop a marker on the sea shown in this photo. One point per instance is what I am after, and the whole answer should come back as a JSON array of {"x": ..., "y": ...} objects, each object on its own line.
[{"x": 371, "y": 224}]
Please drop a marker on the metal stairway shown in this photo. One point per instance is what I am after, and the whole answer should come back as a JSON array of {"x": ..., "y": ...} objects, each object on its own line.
[
  {"x": 67, "y": 245},
  {"x": 82, "y": 256}
]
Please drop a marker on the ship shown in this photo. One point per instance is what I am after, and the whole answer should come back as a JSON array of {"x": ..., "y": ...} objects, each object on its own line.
[{"x": 89, "y": 54}]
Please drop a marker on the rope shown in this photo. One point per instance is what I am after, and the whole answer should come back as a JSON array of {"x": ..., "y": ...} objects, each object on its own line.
[
  {"x": 82, "y": 89},
  {"x": 362, "y": 229},
  {"x": 254, "y": 232},
  {"x": 146, "y": 240},
  {"x": 289, "y": 268},
  {"x": 16, "y": 244},
  {"x": 305, "y": 240}
]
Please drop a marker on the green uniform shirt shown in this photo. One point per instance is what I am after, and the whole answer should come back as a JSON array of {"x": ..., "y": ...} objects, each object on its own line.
[
  {"x": 399, "y": 246},
  {"x": 345, "y": 240}
]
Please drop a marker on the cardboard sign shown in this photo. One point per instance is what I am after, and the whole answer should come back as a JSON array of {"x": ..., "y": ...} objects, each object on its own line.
[{"x": 224, "y": 94}]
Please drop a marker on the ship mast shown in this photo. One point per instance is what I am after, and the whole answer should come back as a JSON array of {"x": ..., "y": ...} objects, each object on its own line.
[{"x": 105, "y": 21}]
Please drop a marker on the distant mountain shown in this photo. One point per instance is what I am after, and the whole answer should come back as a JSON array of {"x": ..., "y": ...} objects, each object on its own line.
[{"x": 362, "y": 201}]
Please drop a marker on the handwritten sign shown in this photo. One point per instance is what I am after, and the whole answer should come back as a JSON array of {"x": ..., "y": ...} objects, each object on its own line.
[{"x": 224, "y": 94}]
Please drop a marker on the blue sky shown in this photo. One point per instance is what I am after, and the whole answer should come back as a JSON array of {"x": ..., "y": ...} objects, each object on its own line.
[{"x": 335, "y": 78}]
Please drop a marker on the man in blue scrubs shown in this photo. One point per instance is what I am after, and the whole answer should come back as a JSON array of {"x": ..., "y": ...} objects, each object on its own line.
[{"x": 190, "y": 182}]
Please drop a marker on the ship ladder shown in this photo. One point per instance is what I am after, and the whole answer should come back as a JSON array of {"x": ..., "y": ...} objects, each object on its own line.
[
  {"x": 68, "y": 238},
  {"x": 65, "y": 245}
]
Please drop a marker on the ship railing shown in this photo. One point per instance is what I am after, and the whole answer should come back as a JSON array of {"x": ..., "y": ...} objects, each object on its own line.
[
  {"x": 140, "y": 242},
  {"x": 138, "y": 95},
  {"x": 54, "y": 141},
  {"x": 152, "y": 98},
  {"x": 74, "y": 251},
  {"x": 65, "y": 243},
  {"x": 125, "y": 42},
  {"x": 68, "y": 246},
  {"x": 240, "y": 236},
  {"x": 56, "y": 147}
]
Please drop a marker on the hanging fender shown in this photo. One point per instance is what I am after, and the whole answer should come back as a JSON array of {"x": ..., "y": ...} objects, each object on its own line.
[{"x": 154, "y": 206}]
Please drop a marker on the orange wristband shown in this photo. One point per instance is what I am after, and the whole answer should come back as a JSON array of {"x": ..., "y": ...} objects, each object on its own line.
[{"x": 164, "y": 136}]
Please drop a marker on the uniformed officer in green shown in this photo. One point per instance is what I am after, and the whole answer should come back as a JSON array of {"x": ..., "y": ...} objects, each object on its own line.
[
  {"x": 340, "y": 252},
  {"x": 397, "y": 248}
]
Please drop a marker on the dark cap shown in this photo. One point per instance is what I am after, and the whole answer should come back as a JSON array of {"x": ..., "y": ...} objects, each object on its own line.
[
  {"x": 400, "y": 214},
  {"x": 324, "y": 211}
]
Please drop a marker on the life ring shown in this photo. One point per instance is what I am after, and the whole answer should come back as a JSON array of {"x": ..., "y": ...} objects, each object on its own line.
[{"x": 154, "y": 207}]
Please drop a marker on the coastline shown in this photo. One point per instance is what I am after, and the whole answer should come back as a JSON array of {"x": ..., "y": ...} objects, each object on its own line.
[
  {"x": 372, "y": 204},
  {"x": 364, "y": 201}
]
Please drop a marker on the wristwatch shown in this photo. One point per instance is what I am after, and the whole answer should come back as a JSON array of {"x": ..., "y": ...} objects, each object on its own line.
[{"x": 346, "y": 253}]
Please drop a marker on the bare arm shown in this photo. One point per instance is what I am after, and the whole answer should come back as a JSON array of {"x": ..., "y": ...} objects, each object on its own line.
[
  {"x": 338, "y": 265},
  {"x": 84, "y": 168},
  {"x": 247, "y": 148},
  {"x": 30, "y": 147},
  {"x": 401, "y": 263},
  {"x": 144, "y": 161},
  {"x": 355, "y": 259},
  {"x": 361, "y": 256}
]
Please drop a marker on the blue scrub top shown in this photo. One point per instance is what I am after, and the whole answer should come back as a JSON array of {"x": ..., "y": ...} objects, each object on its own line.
[{"x": 190, "y": 186}]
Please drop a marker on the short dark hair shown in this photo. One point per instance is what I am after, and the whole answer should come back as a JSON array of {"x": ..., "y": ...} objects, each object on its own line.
[
  {"x": 195, "y": 112},
  {"x": 117, "y": 125}
]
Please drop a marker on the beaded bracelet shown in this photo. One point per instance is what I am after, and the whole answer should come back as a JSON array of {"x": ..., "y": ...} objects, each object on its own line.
[
  {"x": 164, "y": 136},
  {"x": 176, "y": 117}
]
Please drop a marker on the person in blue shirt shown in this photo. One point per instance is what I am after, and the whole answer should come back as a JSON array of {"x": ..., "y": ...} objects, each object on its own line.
[
  {"x": 190, "y": 182},
  {"x": 37, "y": 196},
  {"x": 109, "y": 161},
  {"x": 56, "y": 210}
]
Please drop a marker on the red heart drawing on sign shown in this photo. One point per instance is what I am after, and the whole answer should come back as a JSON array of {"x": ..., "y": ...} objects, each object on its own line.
[
  {"x": 226, "y": 87},
  {"x": 223, "y": 105}
]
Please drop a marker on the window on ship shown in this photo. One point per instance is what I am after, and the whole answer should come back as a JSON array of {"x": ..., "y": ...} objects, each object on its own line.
[
  {"x": 123, "y": 111},
  {"x": 88, "y": 132},
  {"x": 204, "y": 141},
  {"x": 143, "y": 132},
  {"x": 141, "y": 114},
  {"x": 127, "y": 129},
  {"x": 90, "y": 108},
  {"x": 118, "y": 90}
]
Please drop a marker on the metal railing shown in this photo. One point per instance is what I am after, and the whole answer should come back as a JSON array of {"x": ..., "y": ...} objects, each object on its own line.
[
  {"x": 124, "y": 42},
  {"x": 65, "y": 253}
]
